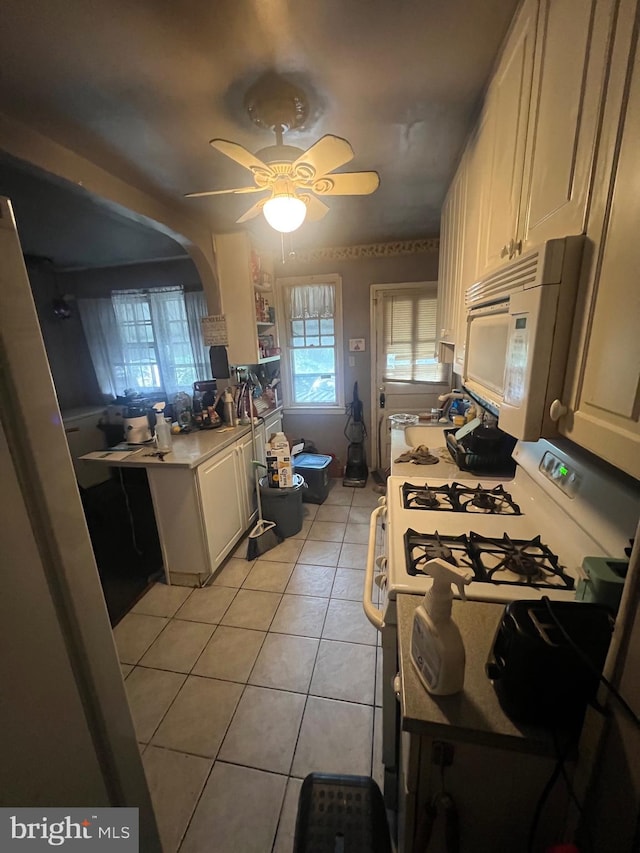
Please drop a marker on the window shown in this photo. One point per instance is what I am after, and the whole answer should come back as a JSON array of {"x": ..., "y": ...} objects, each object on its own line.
[
  {"x": 146, "y": 340},
  {"x": 312, "y": 337},
  {"x": 409, "y": 337}
]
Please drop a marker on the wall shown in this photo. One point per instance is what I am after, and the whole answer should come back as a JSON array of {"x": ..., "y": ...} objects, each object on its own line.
[
  {"x": 73, "y": 375},
  {"x": 92, "y": 283},
  {"x": 358, "y": 274}
]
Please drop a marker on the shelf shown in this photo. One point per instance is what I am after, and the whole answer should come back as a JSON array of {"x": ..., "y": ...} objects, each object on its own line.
[
  {"x": 267, "y": 324},
  {"x": 268, "y": 358},
  {"x": 262, "y": 288}
]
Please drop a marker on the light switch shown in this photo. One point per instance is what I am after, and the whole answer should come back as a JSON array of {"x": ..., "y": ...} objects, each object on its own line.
[{"x": 352, "y": 361}]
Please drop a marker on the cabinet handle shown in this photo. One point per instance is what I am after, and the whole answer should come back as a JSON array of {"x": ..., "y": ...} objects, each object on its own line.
[
  {"x": 505, "y": 251},
  {"x": 557, "y": 410},
  {"x": 517, "y": 248}
]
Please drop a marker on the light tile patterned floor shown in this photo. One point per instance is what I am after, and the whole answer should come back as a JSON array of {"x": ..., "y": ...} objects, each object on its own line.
[{"x": 241, "y": 689}]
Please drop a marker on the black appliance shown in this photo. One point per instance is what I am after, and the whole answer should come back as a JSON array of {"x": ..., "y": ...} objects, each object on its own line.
[
  {"x": 356, "y": 471},
  {"x": 490, "y": 456},
  {"x": 538, "y": 674}
]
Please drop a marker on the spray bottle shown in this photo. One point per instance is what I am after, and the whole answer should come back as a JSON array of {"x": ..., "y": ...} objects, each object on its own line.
[{"x": 437, "y": 651}]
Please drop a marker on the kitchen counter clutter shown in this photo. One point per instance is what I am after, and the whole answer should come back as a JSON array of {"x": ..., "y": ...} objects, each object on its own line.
[
  {"x": 203, "y": 494},
  {"x": 474, "y": 715},
  {"x": 494, "y": 771}
]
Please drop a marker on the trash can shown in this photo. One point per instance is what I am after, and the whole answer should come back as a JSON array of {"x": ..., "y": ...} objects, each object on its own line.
[
  {"x": 283, "y": 506},
  {"x": 341, "y": 812},
  {"x": 314, "y": 467}
]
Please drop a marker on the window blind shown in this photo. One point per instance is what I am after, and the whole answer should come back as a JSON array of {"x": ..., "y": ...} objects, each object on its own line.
[{"x": 410, "y": 337}]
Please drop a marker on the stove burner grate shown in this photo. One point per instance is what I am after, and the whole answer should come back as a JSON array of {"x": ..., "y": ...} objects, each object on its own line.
[
  {"x": 455, "y": 497},
  {"x": 518, "y": 562},
  {"x": 420, "y": 548}
]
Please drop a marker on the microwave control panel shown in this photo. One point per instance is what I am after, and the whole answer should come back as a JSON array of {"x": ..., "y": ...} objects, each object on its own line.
[{"x": 566, "y": 478}]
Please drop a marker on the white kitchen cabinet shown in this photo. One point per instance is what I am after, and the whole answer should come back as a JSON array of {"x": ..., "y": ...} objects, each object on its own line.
[
  {"x": 246, "y": 475},
  {"x": 602, "y": 391},
  {"x": 222, "y": 487},
  {"x": 507, "y": 108},
  {"x": 451, "y": 258},
  {"x": 272, "y": 423},
  {"x": 241, "y": 291},
  {"x": 568, "y": 80}
]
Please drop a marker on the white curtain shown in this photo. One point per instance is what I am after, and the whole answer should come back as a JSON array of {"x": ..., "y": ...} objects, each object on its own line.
[
  {"x": 146, "y": 339},
  {"x": 311, "y": 301},
  {"x": 196, "y": 307},
  {"x": 101, "y": 331}
]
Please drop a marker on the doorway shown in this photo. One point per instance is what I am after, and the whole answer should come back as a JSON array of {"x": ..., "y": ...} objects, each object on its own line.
[{"x": 406, "y": 375}]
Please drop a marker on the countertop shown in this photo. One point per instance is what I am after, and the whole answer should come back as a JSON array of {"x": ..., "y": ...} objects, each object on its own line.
[
  {"x": 188, "y": 450},
  {"x": 474, "y": 715}
]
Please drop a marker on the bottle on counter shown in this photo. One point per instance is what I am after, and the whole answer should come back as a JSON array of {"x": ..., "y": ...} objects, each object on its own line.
[
  {"x": 437, "y": 651},
  {"x": 163, "y": 434},
  {"x": 229, "y": 413}
]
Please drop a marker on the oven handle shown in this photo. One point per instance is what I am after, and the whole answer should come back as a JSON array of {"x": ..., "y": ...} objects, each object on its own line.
[{"x": 373, "y": 614}]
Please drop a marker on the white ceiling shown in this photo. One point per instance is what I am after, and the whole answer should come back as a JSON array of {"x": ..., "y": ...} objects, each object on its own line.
[{"x": 140, "y": 87}]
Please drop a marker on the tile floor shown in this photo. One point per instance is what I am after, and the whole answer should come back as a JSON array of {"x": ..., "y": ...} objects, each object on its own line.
[{"x": 241, "y": 689}]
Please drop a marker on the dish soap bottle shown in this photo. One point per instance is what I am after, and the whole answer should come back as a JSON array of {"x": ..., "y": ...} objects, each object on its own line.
[{"x": 437, "y": 651}]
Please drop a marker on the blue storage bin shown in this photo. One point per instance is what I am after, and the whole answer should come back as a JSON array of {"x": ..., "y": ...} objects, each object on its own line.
[{"x": 314, "y": 468}]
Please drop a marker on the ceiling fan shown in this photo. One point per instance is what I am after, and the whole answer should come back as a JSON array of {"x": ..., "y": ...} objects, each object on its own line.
[{"x": 291, "y": 179}]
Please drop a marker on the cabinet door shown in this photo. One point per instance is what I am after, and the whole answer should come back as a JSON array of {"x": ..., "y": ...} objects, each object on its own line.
[
  {"x": 272, "y": 424},
  {"x": 569, "y": 74},
  {"x": 604, "y": 383},
  {"x": 221, "y": 502},
  {"x": 445, "y": 324},
  {"x": 246, "y": 478},
  {"x": 508, "y": 105}
]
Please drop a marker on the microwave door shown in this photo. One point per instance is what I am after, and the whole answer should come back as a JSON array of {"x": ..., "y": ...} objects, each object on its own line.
[{"x": 485, "y": 354}]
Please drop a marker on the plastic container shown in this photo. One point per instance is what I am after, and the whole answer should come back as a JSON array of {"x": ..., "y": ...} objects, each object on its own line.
[
  {"x": 402, "y": 420},
  {"x": 163, "y": 434},
  {"x": 339, "y": 812},
  {"x": 314, "y": 467},
  {"x": 283, "y": 506},
  {"x": 437, "y": 651}
]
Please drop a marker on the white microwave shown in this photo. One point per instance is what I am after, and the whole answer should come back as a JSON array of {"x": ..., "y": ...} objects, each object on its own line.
[{"x": 519, "y": 322}]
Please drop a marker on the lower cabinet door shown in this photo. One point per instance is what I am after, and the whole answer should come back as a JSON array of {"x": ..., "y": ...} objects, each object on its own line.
[
  {"x": 221, "y": 503},
  {"x": 246, "y": 478}
]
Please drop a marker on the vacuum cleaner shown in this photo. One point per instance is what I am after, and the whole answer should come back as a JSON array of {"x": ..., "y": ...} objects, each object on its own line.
[{"x": 356, "y": 472}]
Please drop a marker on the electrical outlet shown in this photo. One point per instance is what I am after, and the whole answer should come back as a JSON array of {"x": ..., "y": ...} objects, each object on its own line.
[{"x": 442, "y": 753}]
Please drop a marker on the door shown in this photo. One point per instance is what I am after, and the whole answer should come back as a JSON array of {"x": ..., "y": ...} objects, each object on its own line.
[
  {"x": 508, "y": 108},
  {"x": 222, "y": 504},
  {"x": 66, "y": 733},
  {"x": 603, "y": 391},
  {"x": 405, "y": 373},
  {"x": 569, "y": 76}
]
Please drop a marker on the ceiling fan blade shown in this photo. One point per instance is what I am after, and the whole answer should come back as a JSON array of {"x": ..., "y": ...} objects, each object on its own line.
[
  {"x": 347, "y": 183},
  {"x": 254, "y": 210},
  {"x": 237, "y": 191},
  {"x": 239, "y": 154},
  {"x": 325, "y": 155},
  {"x": 316, "y": 209}
]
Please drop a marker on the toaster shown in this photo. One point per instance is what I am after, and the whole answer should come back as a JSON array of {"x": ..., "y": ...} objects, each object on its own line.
[{"x": 546, "y": 660}]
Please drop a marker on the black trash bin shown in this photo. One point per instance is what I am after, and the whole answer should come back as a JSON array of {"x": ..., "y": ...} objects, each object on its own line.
[
  {"x": 283, "y": 506},
  {"x": 340, "y": 812}
]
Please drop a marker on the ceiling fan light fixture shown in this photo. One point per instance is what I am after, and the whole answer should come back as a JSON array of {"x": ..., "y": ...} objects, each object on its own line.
[{"x": 284, "y": 211}]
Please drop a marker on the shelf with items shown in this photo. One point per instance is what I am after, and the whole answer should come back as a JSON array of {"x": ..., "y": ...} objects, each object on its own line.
[{"x": 248, "y": 300}]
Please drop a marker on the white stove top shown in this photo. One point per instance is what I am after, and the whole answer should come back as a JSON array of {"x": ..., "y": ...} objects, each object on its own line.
[{"x": 593, "y": 513}]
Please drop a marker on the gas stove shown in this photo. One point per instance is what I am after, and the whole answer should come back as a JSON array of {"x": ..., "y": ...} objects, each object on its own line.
[
  {"x": 505, "y": 560},
  {"x": 455, "y": 497},
  {"x": 522, "y": 538}
]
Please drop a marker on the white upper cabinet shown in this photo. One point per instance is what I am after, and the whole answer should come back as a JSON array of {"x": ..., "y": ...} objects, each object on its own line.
[
  {"x": 568, "y": 80},
  {"x": 603, "y": 385},
  {"x": 251, "y": 326},
  {"x": 507, "y": 114},
  {"x": 451, "y": 262}
]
